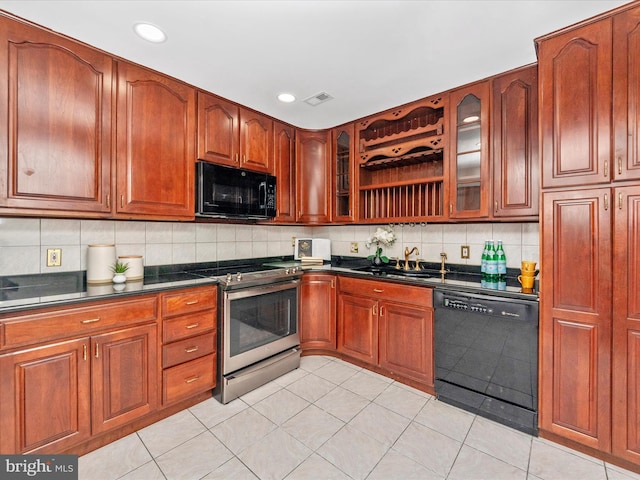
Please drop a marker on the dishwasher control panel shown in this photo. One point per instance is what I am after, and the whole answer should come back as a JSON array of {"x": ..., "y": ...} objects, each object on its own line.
[{"x": 466, "y": 305}]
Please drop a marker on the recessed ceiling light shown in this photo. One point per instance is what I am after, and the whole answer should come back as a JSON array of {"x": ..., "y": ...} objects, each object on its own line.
[
  {"x": 286, "y": 97},
  {"x": 149, "y": 32}
]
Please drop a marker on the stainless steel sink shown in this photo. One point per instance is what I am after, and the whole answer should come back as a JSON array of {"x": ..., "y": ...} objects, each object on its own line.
[{"x": 391, "y": 270}]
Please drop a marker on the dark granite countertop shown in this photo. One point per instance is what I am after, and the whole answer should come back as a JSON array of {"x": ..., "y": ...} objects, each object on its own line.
[{"x": 24, "y": 292}]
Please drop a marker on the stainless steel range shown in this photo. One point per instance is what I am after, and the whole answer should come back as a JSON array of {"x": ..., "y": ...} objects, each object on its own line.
[{"x": 258, "y": 336}]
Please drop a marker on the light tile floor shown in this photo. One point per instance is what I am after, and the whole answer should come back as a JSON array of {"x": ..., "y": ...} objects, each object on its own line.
[{"x": 332, "y": 420}]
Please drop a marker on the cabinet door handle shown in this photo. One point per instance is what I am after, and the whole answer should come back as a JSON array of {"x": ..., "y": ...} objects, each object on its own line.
[
  {"x": 496, "y": 206},
  {"x": 193, "y": 325},
  {"x": 84, "y": 352},
  {"x": 108, "y": 200},
  {"x": 90, "y": 320},
  {"x": 193, "y": 302},
  {"x": 377, "y": 290},
  {"x": 381, "y": 311},
  {"x": 121, "y": 201},
  {"x": 606, "y": 168},
  {"x": 606, "y": 201},
  {"x": 237, "y": 157},
  {"x": 619, "y": 165},
  {"x": 97, "y": 350},
  {"x": 450, "y": 208},
  {"x": 333, "y": 284},
  {"x": 191, "y": 349},
  {"x": 375, "y": 310},
  {"x": 620, "y": 201},
  {"x": 192, "y": 379}
]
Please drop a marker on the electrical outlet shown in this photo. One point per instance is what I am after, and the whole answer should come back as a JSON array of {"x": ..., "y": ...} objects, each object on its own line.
[
  {"x": 54, "y": 257},
  {"x": 293, "y": 241},
  {"x": 464, "y": 251},
  {"x": 354, "y": 247}
]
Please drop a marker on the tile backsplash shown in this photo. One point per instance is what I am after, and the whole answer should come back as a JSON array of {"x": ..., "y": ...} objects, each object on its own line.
[{"x": 24, "y": 241}]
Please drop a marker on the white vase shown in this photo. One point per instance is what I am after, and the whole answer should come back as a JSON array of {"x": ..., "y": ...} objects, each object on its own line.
[
  {"x": 119, "y": 278},
  {"x": 100, "y": 259}
]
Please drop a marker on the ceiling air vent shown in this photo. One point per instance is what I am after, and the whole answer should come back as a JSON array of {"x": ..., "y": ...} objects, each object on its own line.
[{"x": 318, "y": 98}]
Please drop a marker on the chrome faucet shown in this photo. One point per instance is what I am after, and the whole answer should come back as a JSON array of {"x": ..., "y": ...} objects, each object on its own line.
[{"x": 408, "y": 252}]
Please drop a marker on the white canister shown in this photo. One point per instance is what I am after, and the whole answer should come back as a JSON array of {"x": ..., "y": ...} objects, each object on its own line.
[
  {"x": 100, "y": 259},
  {"x": 136, "y": 266}
]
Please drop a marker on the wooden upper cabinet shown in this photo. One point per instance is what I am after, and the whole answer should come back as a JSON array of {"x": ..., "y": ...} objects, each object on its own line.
[
  {"x": 469, "y": 185},
  {"x": 256, "y": 137},
  {"x": 155, "y": 150},
  {"x": 284, "y": 151},
  {"x": 626, "y": 95},
  {"x": 313, "y": 173},
  {"x": 218, "y": 140},
  {"x": 234, "y": 136},
  {"x": 344, "y": 178},
  {"x": 575, "y": 316},
  {"x": 56, "y": 123},
  {"x": 514, "y": 152},
  {"x": 575, "y": 105}
]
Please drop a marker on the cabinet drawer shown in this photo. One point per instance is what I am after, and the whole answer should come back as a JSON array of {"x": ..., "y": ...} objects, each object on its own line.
[
  {"x": 188, "y": 379},
  {"x": 419, "y": 296},
  {"x": 69, "y": 322},
  {"x": 187, "y": 326},
  {"x": 188, "y": 301},
  {"x": 188, "y": 349}
]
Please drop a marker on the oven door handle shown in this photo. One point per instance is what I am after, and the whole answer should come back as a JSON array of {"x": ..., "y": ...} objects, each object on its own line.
[{"x": 250, "y": 291}]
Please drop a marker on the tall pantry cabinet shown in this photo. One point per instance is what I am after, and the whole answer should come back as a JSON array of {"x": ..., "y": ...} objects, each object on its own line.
[{"x": 589, "y": 96}]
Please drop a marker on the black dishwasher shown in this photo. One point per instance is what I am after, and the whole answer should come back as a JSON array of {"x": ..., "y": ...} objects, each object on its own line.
[{"x": 486, "y": 356}]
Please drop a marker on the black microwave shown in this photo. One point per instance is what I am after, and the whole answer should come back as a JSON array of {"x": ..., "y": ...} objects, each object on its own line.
[{"x": 233, "y": 192}]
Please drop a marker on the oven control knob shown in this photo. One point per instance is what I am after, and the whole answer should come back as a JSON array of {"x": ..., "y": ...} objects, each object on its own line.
[
  {"x": 286, "y": 271},
  {"x": 228, "y": 278},
  {"x": 238, "y": 276},
  {"x": 294, "y": 269}
]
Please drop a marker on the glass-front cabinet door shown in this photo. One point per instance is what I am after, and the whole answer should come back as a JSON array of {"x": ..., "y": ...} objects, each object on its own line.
[
  {"x": 469, "y": 152},
  {"x": 343, "y": 188}
]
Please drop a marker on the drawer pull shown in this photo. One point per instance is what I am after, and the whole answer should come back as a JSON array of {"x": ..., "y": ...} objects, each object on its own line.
[
  {"x": 377, "y": 290},
  {"x": 90, "y": 320},
  {"x": 193, "y": 325},
  {"x": 193, "y": 302},
  {"x": 192, "y": 379},
  {"x": 191, "y": 349}
]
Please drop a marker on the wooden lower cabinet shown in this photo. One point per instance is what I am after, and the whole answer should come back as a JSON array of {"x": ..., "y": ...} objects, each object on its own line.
[
  {"x": 318, "y": 312},
  {"x": 575, "y": 322},
  {"x": 189, "y": 342},
  {"x": 626, "y": 326},
  {"x": 44, "y": 399},
  {"x": 358, "y": 327},
  {"x": 387, "y": 325},
  {"x": 124, "y": 376},
  {"x": 405, "y": 345},
  {"x": 76, "y": 377}
]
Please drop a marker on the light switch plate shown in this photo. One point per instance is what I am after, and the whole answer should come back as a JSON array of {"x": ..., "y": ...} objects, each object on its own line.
[
  {"x": 54, "y": 257},
  {"x": 464, "y": 251}
]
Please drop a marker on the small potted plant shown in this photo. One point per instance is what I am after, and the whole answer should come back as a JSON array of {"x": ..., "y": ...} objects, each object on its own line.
[{"x": 119, "y": 268}]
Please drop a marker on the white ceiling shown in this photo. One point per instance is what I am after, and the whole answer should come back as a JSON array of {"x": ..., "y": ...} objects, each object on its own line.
[{"x": 368, "y": 55}]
